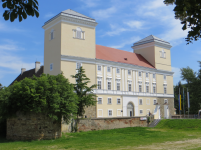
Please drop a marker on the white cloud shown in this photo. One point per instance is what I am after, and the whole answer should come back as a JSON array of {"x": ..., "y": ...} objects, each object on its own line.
[
  {"x": 49, "y": 15},
  {"x": 128, "y": 42},
  {"x": 116, "y": 30},
  {"x": 104, "y": 13},
  {"x": 134, "y": 24},
  {"x": 90, "y": 3}
]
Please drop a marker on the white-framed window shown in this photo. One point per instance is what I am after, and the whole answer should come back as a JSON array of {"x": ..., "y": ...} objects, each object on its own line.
[
  {"x": 100, "y": 100},
  {"x": 140, "y": 88},
  {"x": 118, "y": 86},
  {"x": 52, "y": 34},
  {"x": 147, "y": 75},
  {"x": 78, "y": 65},
  {"x": 162, "y": 54},
  {"x": 154, "y": 76},
  {"x": 147, "y": 89},
  {"x": 109, "y": 85},
  {"x": 78, "y": 33},
  {"x": 100, "y": 113},
  {"x": 109, "y": 100},
  {"x": 129, "y": 87},
  {"x": 99, "y": 84},
  {"x": 99, "y": 67},
  {"x": 139, "y": 73},
  {"x": 118, "y": 70},
  {"x": 129, "y": 72},
  {"x": 140, "y": 101},
  {"x": 108, "y": 69},
  {"x": 154, "y": 89},
  {"x": 51, "y": 66},
  {"x": 164, "y": 77},
  {"x": 148, "y": 101},
  {"x": 118, "y": 101},
  {"x": 110, "y": 112},
  {"x": 165, "y": 101},
  {"x": 165, "y": 90},
  {"x": 155, "y": 101},
  {"x": 141, "y": 111}
]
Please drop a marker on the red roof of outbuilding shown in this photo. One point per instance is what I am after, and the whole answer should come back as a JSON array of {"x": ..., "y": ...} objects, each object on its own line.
[{"x": 116, "y": 55}]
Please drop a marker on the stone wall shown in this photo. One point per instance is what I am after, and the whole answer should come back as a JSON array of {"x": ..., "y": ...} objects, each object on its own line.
[
  {"x": 90, "y": 112},
  {"x": 170, "y": 106},
  {"x": 110, "y": 123},
  {"x": 32, "y": 127}
]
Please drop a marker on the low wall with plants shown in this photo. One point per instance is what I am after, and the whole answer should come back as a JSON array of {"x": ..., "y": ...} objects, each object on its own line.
[
  {"x": 32, "y": 127},
  {"x": 111, "y": 123}
]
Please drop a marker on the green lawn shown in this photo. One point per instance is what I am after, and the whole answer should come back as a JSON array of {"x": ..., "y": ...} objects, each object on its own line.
[{"x": 166, "y": 133}]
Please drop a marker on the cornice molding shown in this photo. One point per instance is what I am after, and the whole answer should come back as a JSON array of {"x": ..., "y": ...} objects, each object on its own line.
[{"x": 114, "y": 64}]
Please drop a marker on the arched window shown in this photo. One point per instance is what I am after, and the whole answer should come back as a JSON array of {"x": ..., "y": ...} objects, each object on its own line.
[
  {"x": 78, "y": 33},
  {"x": 163, "y": 54}
]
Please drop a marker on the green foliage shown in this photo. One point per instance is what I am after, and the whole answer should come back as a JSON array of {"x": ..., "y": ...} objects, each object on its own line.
[
  {"x": 189, "y": 13},
  {"x": 179, "y": 124},
  {"x": 1, "y": 86},
  {"x": 193, "y": 80},
  {"x": 85, "y": 94},
  {"x": 20, "y": 9},
  {"x": 48, "y": 94}
]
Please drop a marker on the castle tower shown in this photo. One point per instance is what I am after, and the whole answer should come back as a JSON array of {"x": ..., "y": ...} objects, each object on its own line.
[
  {"x": 68, "y": 34},
  {"x": 154, "y": 50}
]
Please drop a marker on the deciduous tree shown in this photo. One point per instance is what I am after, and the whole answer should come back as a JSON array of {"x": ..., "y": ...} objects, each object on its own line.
[{"x": 189, "y": 13}]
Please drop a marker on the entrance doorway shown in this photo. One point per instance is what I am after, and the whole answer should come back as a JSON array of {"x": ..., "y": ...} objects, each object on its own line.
[{"x": 130, "y": 110}]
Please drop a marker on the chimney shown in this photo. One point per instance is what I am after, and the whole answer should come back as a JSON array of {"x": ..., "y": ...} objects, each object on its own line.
[
  {"x": 23, "y": 70},
  {"x": 37, "y": 66}
]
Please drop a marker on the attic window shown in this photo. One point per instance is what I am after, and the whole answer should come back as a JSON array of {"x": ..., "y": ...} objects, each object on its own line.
[
  {"x": 78, "y": 33},
  {"x": 125, "y": 58},
  {"x": 163, "y": 54}
]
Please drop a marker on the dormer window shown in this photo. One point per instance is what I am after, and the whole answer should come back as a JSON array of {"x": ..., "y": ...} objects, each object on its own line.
[
  {"x": 162, "y": 54},
  {"x": 78, "y": 33}
]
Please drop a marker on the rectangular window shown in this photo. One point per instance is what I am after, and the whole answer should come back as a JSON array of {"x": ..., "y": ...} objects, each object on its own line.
[
  {"x": 108, "y": 69},
  {"x": 52, "y": 35},
  {"x": 165, "y": 90},
  {"x": 164, "y": 77},
  {"x": 118, "y": 101},
  {"x": 109, "y": 85},
  {"x": 129, "y": 87},
  {"x": 140, "y": 88},
  {"x": 118, "y": 70},
  {"x": 109, "y": 113},
  {"x": 129, "y": 72},
  {"x": 139, "y": 74},
  {"x": 140, "y": 101},
  {"x": 148, "y": 101},
  {"x": 147, "y": 75},
  {"x": 155, "y": 101},
  {"x": 154, "y": 89},
  {"x": 78, "y": 65},
  {"x": 99, "y": 100},
  {"x": 147, "y": 89},
  {"x": 154, "y": 76},
  {"x": 109, "y": 101},
  {"x": 99, "y": 84},
  {"x": 118, "y": 86},
  {"x": 99, "y": 68},
  {"x": 51, "y": 66},
  {"x": 141, "y": 111}
]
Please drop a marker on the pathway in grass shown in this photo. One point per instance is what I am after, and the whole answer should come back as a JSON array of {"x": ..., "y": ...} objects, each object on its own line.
[{"x": 161, "y": 137}]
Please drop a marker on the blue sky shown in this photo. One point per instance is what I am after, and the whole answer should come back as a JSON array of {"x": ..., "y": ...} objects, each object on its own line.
[{"x": 120, "y": 24}]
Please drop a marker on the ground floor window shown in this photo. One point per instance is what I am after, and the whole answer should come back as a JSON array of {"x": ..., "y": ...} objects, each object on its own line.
[
  {"x": 118, "y": 101},
  {"x": 110, "y": 113},
  {"x": 141, "y": 111}
]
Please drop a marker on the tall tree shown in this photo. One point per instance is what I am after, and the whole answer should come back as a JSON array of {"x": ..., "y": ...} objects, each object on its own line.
[
  {"x": 1, "y": 86},
  {"x": 189, "y": 13},
  {"x": 19, "y": 9},
  {"x": 85, "y": 94}
]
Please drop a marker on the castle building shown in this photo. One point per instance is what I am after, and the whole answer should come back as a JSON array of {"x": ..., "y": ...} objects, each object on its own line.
[{"x": 129, "y": 83}]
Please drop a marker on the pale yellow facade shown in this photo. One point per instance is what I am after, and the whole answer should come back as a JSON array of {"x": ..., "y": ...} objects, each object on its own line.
[{"x": 73, "y": 44}]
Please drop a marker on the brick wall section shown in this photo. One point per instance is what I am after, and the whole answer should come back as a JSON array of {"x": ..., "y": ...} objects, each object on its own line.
[
  {"x": 110, "y": 123},
  {"x": 32, "y": 127},
  {"x": 90, "y": 112}
]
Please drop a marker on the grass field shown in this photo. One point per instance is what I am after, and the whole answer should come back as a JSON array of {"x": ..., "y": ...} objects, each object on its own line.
[{"x": 168, "y": 134}]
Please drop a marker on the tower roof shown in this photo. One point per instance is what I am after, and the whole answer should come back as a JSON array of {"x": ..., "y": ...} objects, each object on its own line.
[{"x": 150, "y": 39}]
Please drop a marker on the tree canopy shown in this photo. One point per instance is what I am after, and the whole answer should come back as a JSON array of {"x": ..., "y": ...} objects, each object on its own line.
[
  {"x": 20, "y": 9},
  {"x": 47, "y": 94},
  {"x": 189, "y": 13}
]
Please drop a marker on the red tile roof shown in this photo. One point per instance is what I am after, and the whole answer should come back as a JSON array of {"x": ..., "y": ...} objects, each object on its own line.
[{"x": 116, "y": 55}]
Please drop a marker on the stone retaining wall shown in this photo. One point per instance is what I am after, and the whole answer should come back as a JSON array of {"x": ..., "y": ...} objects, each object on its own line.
[
  {"x": 32, "y": 127},
  {"x": 110, "y": 123}
]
